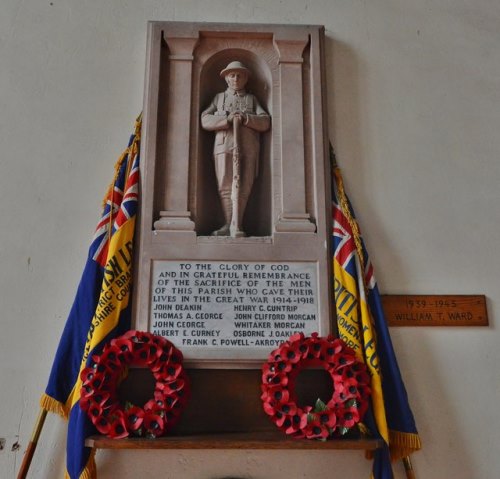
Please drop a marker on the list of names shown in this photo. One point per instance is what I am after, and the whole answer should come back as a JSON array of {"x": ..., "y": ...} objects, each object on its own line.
[{"x": 208, "y": 304}]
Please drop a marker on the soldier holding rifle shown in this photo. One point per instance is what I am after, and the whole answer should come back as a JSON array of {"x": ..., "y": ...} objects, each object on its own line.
[{"x": 238, "y": 119}]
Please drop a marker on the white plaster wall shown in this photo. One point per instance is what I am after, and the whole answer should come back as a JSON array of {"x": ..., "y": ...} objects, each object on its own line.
[{"x": 414, "y": 109}]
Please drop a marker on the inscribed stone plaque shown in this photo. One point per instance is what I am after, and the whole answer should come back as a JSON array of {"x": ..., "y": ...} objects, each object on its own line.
[
  {"x": 235, "y": 181},
  {"x": 232, "y": 305}
]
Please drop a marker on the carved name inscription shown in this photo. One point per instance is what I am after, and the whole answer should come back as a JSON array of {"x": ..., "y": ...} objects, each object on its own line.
[
  {"x": 208, "y": 304},
  {"x": 435, "y": 310}
]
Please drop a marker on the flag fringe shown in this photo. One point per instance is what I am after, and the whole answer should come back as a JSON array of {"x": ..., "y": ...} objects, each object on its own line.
[
  {"x": 402, "y": 444},
  {"x": 52, "y": 405},
  {"x": 90, "y": 469}
]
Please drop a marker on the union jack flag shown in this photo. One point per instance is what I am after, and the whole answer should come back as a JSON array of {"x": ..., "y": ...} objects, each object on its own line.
[
  {"x": 118, "y": 207},
  {"x": 344, "y": 246}
]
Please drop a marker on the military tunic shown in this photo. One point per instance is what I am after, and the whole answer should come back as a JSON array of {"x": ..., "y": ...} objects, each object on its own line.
[{"x": 214, "y": 118}]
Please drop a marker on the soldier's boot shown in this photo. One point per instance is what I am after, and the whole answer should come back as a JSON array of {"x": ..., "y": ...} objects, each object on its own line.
[
  {"x": 239, "y": 233},
  {"x": 227, "y": 208}
]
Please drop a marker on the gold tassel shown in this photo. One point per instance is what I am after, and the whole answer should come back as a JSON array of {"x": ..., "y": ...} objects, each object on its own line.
[
  {"x": 402, "y": 444},
  {"x": 90, "y": 469},
  {"x": 51, "y": 405}
]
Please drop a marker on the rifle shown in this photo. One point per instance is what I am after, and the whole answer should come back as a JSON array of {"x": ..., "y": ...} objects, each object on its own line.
[{"x": 234, "y": 229}]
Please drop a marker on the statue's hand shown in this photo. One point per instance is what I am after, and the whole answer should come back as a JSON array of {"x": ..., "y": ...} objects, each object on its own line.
[{"x": 242, "y": 117}]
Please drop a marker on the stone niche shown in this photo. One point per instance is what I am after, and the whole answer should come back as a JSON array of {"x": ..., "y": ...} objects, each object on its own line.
[{"x": 191, "y": 286}]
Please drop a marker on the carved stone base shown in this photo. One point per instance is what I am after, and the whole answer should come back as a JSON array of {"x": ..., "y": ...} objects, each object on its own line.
[
  {"x": 174, "y": 221},
  {"x": 295, "y": 223}
]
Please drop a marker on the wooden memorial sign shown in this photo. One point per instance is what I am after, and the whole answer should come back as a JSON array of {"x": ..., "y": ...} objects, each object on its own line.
[
  {"x": 234, "y": 233},
  {"x": 435, "y": 310}
]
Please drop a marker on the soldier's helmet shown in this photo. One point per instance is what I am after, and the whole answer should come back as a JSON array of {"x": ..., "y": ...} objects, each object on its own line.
[{"x": 234, "y": 66}]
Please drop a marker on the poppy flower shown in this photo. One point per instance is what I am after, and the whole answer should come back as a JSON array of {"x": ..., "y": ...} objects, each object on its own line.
[
  {"x": 124, "y": 346},
  {"x": 160, "y": 369},
  {"x": 134, "y": 418},
  {"x": 86, "y": 403},
  {"x": 174, "y": 404},
  {"x": 102, "y": 398},
  {"x": 288, "y": 409},
  {"x": 157, "y": 340},
  {"x": 118, "y": 429},
  {"x": 315, "y": 430},
  {"x": 281, "y": 413},
  {"x": 111, "y": 358},
  {"x": 154, "y": 424},
  {"x": 176, "y": 356},
  {"x": 279, "y": 394},
  {"x": 296, "y": 423},
  {"x": 87, "y": 391},
  {"x": 170, "y": 386},
  {"x": 276, "y": 379},
  {"x": 347, "y": 417},
  {"x": 339, "y": 393},
  {"x": 87, "y": 374},
  {"x": 282, "y": 367},
  {"x": 342, "y": 360},
  {"x": 290, "y": 352},
  {"x": 161, "y": 400},
  {"x": 98, "y": 399},
  {"x": 332, "y": 347},
  {"x": 94, "y": 411},
  {"x": 327, "y": 418},
  {"x": 268, "y": 368},
  {"x": 351, "y": 388},
  {"x": 268, "y": 404},
  {"x": 152, "y": 406},
  {"x": 275, "y": 356},
  {"x": 316, "y": 347},
  {"x": 101, "y": 383},
  {"x": 103, "y": 425},
  {"x": 144, "y": 353}
]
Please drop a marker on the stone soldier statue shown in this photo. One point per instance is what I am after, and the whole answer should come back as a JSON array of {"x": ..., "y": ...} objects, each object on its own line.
[{"x": 237, "y": 119}]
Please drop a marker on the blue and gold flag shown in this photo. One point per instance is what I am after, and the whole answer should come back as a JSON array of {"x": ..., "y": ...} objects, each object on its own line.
[
  {"x": 361, "y": 324},
  {"x": 101, "y": 309}
]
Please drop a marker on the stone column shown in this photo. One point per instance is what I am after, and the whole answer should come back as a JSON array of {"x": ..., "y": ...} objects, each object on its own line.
[
  {"x": 293, "y": 217},
  {"x": 175, "y": 213}
]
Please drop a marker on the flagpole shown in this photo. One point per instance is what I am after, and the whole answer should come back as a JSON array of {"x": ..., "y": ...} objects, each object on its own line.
[
  {"x": 410, "y": 474},
  {"x": 28, "y": 455}
]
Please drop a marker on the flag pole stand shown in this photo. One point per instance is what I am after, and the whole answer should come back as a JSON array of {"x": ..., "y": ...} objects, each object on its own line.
[
  {"x": 28, "y": 455},
  {"x": 410, "y": 474}
]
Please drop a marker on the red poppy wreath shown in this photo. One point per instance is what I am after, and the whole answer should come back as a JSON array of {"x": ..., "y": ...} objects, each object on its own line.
[
  {"x": 338, "y": 415},
  {"x": 99, "y": 398}
]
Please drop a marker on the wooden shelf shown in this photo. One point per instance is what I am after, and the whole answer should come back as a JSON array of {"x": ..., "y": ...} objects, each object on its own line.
[
  {"x": 232, "y": 398},
  {"x": 253, "y": 440}
]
